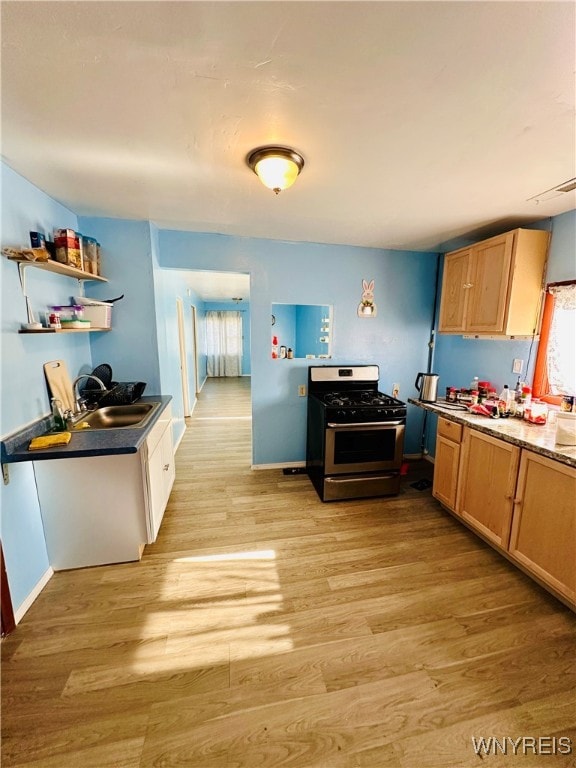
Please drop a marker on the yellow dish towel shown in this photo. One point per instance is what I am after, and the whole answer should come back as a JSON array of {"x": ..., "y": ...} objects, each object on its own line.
[{"x": 49, "y": 441}]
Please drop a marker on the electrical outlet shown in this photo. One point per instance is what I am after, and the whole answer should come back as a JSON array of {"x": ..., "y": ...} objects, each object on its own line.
[
  {"x": 517, "y": 365},
  {"x": 301, "y": 390},
  {"x": 395, "y": 390}
]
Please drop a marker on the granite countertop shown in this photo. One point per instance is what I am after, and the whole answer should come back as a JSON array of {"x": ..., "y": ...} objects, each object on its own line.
[
  {"x": 540, "y": 438},
  {"x": 86, "y": 442}
]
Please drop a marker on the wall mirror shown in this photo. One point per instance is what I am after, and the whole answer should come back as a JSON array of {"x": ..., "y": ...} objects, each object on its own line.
[{"x": 306, "y": 329}]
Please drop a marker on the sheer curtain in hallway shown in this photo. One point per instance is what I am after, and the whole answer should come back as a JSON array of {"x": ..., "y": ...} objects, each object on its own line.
[{"x": 224, "y": 343}]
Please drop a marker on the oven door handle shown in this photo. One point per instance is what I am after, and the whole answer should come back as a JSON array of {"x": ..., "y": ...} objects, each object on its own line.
[{"x": 381, "y": 424}]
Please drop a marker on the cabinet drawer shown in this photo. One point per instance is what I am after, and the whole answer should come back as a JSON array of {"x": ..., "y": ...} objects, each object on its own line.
[
  {"x": 158, "y": 429},
  {"x": 450, "y": 430}
]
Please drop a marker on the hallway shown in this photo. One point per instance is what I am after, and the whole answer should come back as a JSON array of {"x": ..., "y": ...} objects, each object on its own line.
[{"x": 265, "y": 629}]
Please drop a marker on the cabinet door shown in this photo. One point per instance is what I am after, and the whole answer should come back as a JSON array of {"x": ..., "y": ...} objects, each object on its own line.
[
  {"x": 487, "y": 484},
  {"x": 490, "y": 279},
  {"x": 446, "y": 471},
  {"x": 455, "y": 289},
  {"x": 544, "y": 528},
  {"x": 156, "y": 492},
  {"x": 160, "y": 473},
  {"x": 168, "y": 466}
]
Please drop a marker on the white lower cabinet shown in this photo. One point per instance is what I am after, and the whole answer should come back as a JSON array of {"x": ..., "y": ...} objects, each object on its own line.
[
  {"x": 105, "y": 509},
  {"x": 159, "y": 476}
]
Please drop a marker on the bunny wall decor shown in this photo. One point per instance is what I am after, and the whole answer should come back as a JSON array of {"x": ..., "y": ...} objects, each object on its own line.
[{"x": 367, "y": 308}]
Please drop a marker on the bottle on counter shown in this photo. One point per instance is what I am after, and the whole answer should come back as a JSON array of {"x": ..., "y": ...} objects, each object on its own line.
[
  {"x": 504, "y": 401},
  {"x": 282, "y": 352},
  {"x": 274, "y": 347},
  {"x": 526, "y": 401},
  {"x": 475, "y": 384},
  {"x": 58, "y": 420},
  {"x": 289, "y": 353}
]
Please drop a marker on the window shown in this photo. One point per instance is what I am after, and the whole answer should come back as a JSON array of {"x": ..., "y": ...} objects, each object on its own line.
[
  {"x": 555, "y": 373},
  {"x": 224, "y": 343}
]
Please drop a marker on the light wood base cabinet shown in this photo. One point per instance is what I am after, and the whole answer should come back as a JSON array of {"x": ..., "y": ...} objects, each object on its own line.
[
  {"x": 446, "y": 462},
  {"x": 486, "y": 493},
  {"x": 543, "y": 536},
  {"x": 522, "y": 503}
]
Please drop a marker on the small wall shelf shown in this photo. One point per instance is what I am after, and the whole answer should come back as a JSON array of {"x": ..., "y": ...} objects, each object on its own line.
[{"x": 60, "y": 269}]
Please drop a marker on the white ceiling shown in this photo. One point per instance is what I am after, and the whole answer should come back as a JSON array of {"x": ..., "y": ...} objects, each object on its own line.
[{"x": 419, "y": 121}]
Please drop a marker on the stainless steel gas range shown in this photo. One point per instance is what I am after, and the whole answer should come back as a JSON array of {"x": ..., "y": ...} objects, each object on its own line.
[{"x": 355, "y": 434}]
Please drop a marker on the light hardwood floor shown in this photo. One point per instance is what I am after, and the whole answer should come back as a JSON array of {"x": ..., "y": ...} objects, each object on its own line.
[{"x": 266, "y": 629}]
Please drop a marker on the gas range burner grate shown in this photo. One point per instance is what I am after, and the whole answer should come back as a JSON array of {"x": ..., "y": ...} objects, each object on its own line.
[{"x": 358, "y": 398}]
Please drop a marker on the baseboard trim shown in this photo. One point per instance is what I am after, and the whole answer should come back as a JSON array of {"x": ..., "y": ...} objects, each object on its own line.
[
  {"x": 281, "y": 465},
  {"x": 24, "y": 607}
]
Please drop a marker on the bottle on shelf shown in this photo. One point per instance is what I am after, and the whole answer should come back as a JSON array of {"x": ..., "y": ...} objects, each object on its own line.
[{"x": 274, "y": 347}]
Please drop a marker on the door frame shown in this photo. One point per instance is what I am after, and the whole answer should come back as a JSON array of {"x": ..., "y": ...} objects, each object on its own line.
[
  {"x": 7, "y": 620},
  {"x": 194, "y": 318},
  {"x": 183, "y": 358}
]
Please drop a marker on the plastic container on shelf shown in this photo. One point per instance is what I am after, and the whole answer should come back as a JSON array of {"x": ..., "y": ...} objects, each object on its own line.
[{"x": 90, "y": 255}]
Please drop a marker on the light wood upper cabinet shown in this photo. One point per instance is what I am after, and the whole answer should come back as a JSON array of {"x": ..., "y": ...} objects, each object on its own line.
[
  {"x": 543, "y": 535},
  {"x": 495, "y": 287},
  {"x": 488, "y": 480}
]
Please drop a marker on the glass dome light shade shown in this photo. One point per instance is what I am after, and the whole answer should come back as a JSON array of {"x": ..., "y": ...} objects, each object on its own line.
[{"x": 276, "y": 167}]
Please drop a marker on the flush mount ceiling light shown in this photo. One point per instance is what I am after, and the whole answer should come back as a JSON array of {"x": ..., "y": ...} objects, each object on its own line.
[{"x": 276, "y": 167}]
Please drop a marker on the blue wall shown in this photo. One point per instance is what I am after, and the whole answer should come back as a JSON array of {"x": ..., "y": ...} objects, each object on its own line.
[
  {"x": 24, "y": 395},
  {"x": 312, "y": 273}
]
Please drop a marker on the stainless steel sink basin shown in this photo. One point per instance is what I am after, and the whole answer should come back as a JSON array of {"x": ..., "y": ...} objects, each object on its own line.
[{"x": 134, "y": 416}]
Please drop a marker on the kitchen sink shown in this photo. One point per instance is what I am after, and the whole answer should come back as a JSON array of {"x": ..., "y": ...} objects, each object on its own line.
[{"x": 134, "y": 416}]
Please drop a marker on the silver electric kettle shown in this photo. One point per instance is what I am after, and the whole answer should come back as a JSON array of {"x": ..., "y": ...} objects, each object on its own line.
[{"x": 427, "y": 386}]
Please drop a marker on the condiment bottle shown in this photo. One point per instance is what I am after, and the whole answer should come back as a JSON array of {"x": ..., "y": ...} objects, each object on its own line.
[
  {"x": 289, "y": 354},
  {"x": 274, "y": 347},
  {"x": 504, "y": 401},
  {"x": 526, "y": 401},
  {"x": 59, "y": 422}
]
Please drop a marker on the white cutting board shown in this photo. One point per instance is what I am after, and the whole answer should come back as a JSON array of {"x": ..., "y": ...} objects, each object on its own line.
[{"x": 59, "y": 383}]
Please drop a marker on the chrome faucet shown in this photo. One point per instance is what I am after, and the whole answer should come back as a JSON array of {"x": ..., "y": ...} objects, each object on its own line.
[{"x": 78, "y": 400}]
